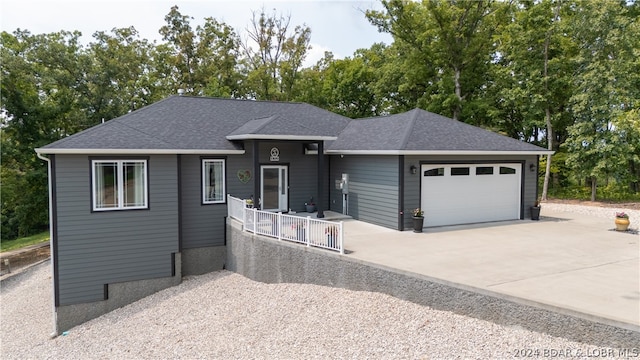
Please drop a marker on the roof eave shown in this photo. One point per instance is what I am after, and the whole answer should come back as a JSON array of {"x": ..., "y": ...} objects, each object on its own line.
[
  {"x": 280, "y": 137},
  {"x": 136, "y": 151},
  {"x": 438, "y": 152}
]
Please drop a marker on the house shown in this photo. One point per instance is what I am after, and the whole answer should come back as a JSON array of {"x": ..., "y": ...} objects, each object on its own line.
[{"x": 139, "y": 201}]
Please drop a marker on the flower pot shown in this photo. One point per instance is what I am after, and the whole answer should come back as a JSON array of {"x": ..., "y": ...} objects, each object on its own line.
[
  {"x": 535, "y": 213},
  {"x": 310, "y": 208},
  {"x": 622, "y": 224},
  {"x": 418, "y": 222}
]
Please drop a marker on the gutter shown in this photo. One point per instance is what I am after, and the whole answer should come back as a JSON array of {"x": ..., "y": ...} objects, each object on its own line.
[
  {"x": 51, "y": 247},
  {"x": 439, "y": 152},
  {"x": 69, "y": 151}
]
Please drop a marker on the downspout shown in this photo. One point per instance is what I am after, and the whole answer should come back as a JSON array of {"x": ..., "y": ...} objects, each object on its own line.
[
  {"x": 51, "y": 247},
  {"x": 256, "y": 175},
  {"x": 321, "y": 179}
]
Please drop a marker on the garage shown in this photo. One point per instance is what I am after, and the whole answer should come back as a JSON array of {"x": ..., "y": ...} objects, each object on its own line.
[{"x": 470, "y": 193}]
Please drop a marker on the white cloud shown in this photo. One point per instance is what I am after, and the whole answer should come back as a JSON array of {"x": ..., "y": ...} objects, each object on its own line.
[{"x": 316, "y": 53}]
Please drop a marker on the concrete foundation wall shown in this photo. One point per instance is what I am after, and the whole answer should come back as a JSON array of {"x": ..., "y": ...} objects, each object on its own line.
[
  {"x": 120, "y": 294},
  {"x": 203, "y": 260},
  {"x": 272, "y": 261}
]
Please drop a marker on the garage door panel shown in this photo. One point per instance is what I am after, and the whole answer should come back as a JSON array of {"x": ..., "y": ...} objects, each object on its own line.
[{"x": 459, "y": 199}]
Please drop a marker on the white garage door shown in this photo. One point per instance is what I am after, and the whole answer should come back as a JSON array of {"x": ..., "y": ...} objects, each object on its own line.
[{"x": 470, "y": 193}]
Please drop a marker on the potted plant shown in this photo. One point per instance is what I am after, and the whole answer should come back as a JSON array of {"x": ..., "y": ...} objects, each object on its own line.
[
  {"x": 535, "y": 210},
  {"x": 418, "y": 220},
  {"x": 332, "y": 235},
  {"x": 622, "y": 221},
  {"x": 311, "y": 206}
]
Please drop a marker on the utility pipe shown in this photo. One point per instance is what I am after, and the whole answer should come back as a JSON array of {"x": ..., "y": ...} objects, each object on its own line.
[{"x": 51, "y": 248}]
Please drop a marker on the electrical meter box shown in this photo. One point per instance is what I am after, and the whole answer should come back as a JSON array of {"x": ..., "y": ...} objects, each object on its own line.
[{"x": 343, "y": 184}]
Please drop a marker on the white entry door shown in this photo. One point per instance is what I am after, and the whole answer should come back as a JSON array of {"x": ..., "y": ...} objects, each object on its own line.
[
  {"x": 470, "y": 193},
  {"x": 275, "y": 187}
]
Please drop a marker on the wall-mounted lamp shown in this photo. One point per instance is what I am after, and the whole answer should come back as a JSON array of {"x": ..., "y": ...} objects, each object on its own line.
[
  {"x": 532, "y": 167},
  {"x": 413, "y": 169}
]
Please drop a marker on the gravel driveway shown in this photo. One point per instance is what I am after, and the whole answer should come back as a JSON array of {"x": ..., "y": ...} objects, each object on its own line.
[{"x": 223, "y": 315}]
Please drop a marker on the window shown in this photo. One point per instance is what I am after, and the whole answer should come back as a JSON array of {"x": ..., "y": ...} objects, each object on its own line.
[
  {"x": 457, "y": 171},
  {"x": 119, "y": 184},
  {"x": 484, "y": 170},
  {"x": 507, "y": 170},
  {"x": 213, "y": 181},
  {"x": 434, "y": 172}
]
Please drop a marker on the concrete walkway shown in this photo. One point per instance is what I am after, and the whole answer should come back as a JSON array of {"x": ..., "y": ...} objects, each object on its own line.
[{"x": 565, "y": 260}]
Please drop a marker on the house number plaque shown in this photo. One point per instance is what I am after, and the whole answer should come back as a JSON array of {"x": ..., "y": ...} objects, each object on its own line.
[{"x": 275, "y": 154}]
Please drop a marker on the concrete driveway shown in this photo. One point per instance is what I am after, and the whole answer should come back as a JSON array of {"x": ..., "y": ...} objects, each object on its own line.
[{"x": 566, "y": 260}]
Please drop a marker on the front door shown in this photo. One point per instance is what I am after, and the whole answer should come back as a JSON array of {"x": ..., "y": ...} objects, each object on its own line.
[{"x": 275, "y": 187}]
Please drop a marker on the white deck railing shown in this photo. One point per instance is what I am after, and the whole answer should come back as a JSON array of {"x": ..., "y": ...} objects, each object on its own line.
[
  {"x": 312, "y": 232},
  {"x": 235, "y": 207}
]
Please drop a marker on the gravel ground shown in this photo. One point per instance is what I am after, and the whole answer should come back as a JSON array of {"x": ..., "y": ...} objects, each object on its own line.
[
  {"x": 597, "y": 211},
  {"x": 223, "y": 315}
]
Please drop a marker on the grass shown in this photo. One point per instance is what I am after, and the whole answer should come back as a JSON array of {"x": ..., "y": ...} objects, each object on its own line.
[{"x": 25, "y": 241}]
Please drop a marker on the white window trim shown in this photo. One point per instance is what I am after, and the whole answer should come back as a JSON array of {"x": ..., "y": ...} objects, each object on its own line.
[
  {"x": 121, "y": 182},
  {"x": 204, "y": 181}
]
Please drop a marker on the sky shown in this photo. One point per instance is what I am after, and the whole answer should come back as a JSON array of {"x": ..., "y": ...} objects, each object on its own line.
[{"x": 336, "y": 26}]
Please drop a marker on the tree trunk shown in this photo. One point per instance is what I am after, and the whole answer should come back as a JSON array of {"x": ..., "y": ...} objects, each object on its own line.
[
  {"x": 593, "y": 188},
  {"x": 547, "y": 110},
  {"x": 458, "y": 91},
  {"x": 547, "y": 117},
  {"x": 547, "y": 171},
  {"x": 634, "y": 185}
]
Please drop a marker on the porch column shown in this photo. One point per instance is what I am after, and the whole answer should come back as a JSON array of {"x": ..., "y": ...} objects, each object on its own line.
[
  {"x": 321, "y": 179},
  {"x": 256, "y": 175}
]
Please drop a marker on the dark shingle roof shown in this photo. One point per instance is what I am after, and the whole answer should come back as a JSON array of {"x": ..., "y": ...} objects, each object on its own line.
[
  {"x": 197, "y": 123},
  {"x": 193, "y": 124},
  {"x": 420, "y": 130}
]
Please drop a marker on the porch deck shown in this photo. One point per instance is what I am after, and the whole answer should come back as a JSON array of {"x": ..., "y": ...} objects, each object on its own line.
[{"x": 328, "y": 215}]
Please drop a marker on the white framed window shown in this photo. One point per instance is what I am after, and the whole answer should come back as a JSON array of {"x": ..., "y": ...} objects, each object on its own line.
[
  {"x": 119, "y": 184},
  {"x": 213, "y": 181}
]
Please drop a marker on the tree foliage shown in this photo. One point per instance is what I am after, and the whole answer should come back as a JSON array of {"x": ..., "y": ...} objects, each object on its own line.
[
  {"x": 273, "y": 56},
  {"x": 41, "y": 87},
  {"x": 454, "y": 40},
  {"x": 604, "y": 105},
  {"x": 203, "y": 61}
]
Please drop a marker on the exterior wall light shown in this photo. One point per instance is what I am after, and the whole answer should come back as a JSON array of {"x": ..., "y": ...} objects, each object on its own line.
[
  {"x": 532, "y": 167},
  {"x": 413, "y": 169}
]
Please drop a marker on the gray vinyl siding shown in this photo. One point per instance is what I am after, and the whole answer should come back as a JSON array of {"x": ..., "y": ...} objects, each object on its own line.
[
  {"x": 373, "y": 188},
  {"x": 98, "y": 248},
  {"x": 202, "y": 224},
  {"x": 412, "y": 182},
  {"x": 235, "y": 163},
  {"x": 303, "y": 171}
]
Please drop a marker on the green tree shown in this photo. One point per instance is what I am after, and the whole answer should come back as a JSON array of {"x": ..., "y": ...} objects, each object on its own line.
[
  {"x": 203, "y": 61},
  {"x": 453, "y": 44},
  {"x": 122, "y": 75},
  {"x": 273, "y": 55},
  {"x": 346, "y": 86},
  {"x": 605, "y": 101},
  {"x": 533, "y": 77},
  {"x": 41, "y": 86}
]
